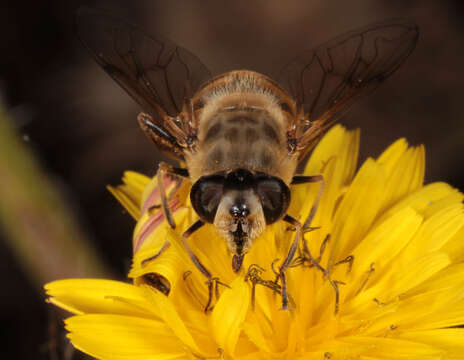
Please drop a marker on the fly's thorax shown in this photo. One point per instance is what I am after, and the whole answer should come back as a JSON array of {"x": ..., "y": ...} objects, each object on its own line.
[{"x": 242, "y": 126}]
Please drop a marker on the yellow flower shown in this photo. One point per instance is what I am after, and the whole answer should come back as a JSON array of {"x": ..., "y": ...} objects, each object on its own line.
[{"x": 392, "y": 247}]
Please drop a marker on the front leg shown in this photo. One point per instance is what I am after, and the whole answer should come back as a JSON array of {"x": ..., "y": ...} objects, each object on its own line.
[
  {"x": 211, "y": 281},
  {"x": 291, "y": 254},
  {"x": 299, "y": 228},
  {"x": 164, "y": 169}
]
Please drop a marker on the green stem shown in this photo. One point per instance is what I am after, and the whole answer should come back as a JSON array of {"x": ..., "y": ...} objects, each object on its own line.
[{"x": 38, "y": 225}]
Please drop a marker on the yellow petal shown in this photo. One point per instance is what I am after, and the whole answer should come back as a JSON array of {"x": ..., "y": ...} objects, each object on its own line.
[
  {"x": 381, "y": 246},
  {"x": 398, "y": 301},
  {"x": 422, "y": 311},
  {"x": 151, "y": 193},
  {"x": 136, "y": 181},
  {"x": 152, "y": 222},
  {"x": 394, "y": 349},
  {"x": 434, "y": 233},
  {"x": 254, "y": 332},
  {"x": 409, "y": 275},
  {"x": 129, "y": 194},
  {"x": 338, "y": 142},
  {"x": 357, "y": 210},
  {"x": 454, "y": 248},
  {"x": 405, "y": 173},
  {"x": 449, "y": 316},
  {"x": 451, "y": 277},
  {"x": 172, "y": 319},
  {"x": 335, "y": 158},
  {"x": 122, "y": 337},
  {"x": 426, "y": 201},
  {"x": 451, "y": 340},
  {"x": 121, "y": 194},
  {"x": 393, "y": 154},
  {"x": 229, "y": 313},
  {"x": 94, "y": 296}
]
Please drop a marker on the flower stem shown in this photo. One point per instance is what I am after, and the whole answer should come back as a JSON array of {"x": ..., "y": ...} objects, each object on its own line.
[{"x": 37, "y": 224}]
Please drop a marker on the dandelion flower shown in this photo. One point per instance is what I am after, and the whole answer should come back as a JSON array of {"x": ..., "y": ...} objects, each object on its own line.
[{"x": 393, "y": 248}]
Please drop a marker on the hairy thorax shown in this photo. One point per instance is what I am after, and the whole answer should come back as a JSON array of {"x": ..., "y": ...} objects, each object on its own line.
[{"x": 241, "y": 127}]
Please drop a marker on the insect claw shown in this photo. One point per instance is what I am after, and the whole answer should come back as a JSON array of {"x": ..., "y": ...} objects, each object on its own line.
[
  {"x": 310, "y": 228},
  {"x": 213, "y": 287},
  {"x": 165, "y": 246},
  {"x": 276, "y": 273},
  {"x": 254, "y": 276},
  {"x": 348, "y": 260}
]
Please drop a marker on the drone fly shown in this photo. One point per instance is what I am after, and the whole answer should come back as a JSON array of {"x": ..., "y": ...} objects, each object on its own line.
[{"x": 241, "y": 134}]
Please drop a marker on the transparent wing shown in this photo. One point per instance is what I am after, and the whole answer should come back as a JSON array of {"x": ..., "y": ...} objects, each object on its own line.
[
  {"x": 327, "y": 80},
  {"x": 157, "y": 73}
]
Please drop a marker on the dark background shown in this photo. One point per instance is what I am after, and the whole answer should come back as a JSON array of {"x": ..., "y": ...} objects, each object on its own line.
[{"x": 82, "y": 125}]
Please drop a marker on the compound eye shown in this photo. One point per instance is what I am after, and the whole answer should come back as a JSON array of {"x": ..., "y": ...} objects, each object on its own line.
[
  {"x": 274, "y": 196},
  {"x": 205, "y": 196}
]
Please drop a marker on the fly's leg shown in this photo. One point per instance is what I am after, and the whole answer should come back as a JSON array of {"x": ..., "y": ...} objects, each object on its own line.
[
  {"x": 170, "y": 196},
  {"x": 212, "y": 282},
  {"x": 307, "y": 225},
  {"x": 163, "y": 137},
  {"x": 299, "y": 234},
  {"x": 299, "y": 179},
  {"x": 162, "y": 250},
  {"x": 166, "y": 169},
  {"x": 348, "y": 260},
  {"x": 334, "y": 283},
  {"x": 288, "y": 260},
  {"x": 254, "y": 276},
  {"x": 304, "y": 261}
]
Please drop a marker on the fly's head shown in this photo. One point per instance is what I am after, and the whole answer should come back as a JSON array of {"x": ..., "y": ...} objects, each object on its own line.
[{"x": 240, "y": 204}]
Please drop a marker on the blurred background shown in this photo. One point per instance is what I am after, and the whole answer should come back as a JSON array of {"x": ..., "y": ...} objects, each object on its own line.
[{"x": 80, "y": 127}]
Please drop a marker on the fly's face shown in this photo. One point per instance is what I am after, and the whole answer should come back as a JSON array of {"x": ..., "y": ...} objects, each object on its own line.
[
  {"x": 239, "y": 220},
  {"x": 240, "y": 204}
]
